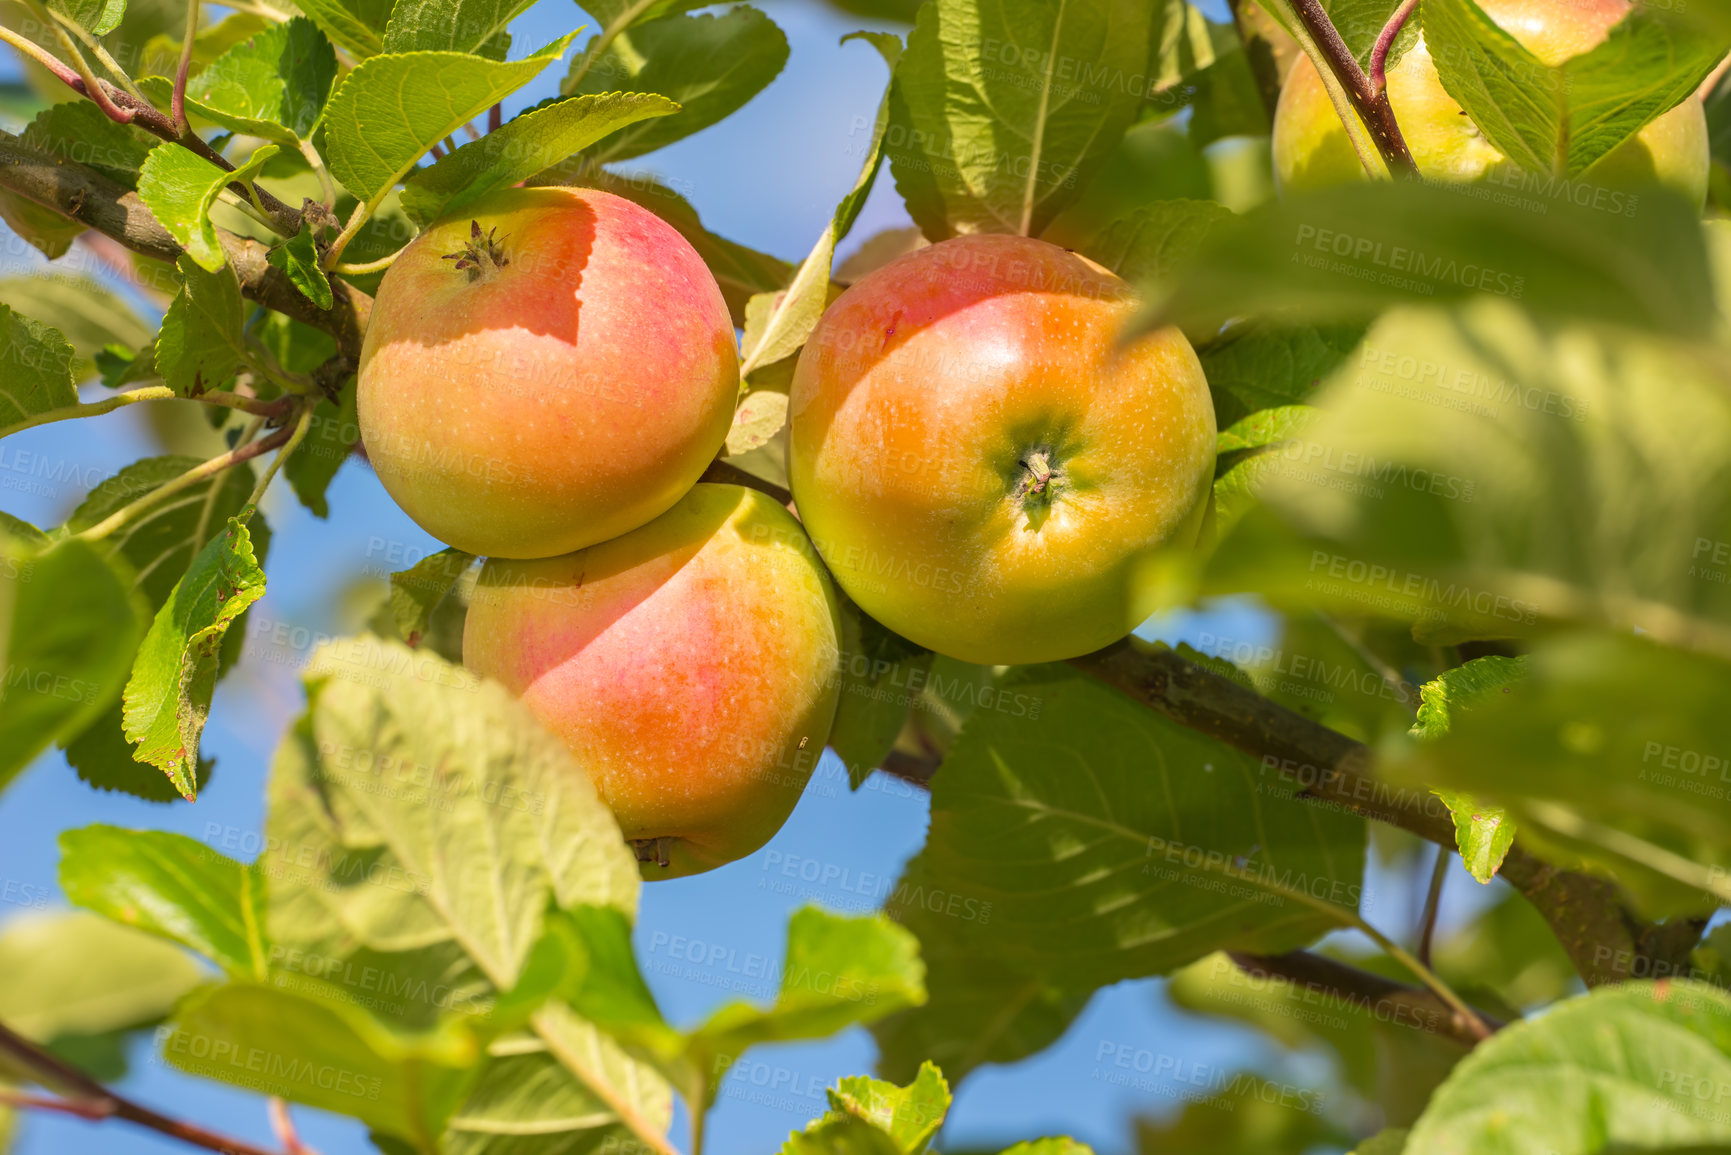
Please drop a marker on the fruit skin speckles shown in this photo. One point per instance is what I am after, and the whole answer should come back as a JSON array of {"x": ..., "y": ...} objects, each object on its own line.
[
  {"x": 553, "y": 368},
  {"x": 985, "y": 485}
]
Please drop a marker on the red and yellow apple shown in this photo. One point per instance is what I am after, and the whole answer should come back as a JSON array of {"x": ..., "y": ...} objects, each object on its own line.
[
  {"x": 1311, "y": 149},
  {"x": 690, "y": 666},
  {"x": 980, "y": 464},
  {"x": 550, "y": 369}
]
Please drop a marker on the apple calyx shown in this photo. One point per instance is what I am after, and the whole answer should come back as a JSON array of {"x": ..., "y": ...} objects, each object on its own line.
[
  {"x": 483, "y": 255},
  {"x": 652, "y": 849},
  {"x": 1041, "y": 481}
]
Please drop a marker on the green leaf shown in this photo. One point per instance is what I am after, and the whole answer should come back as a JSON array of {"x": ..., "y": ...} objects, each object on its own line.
[
  {"x": 81, "y": 132},
  {"x": 1251, "y": 1116},
  {"x": 872, "y": 1117},
  {"x": 310, "y": 1045},
  {"x": 1055, "y": 1145},
  {"x": 298, "y": 257},
  {"x": 72, "y": 975},
  {"x": 330, "y": 440},
  {"x": 74, "y": 623},
  {"x": 1006, "y": 108},
  {"x": 274, "y": 86},
  {"x": 179, "y": 187},
  {"x": 160, "y": 543},
  {"x": 168, "y": 696},
  {"x": 881, "y": 673},
  {"x": 102, "y": 758},
  {"x": 172, "y": 887},
  {"x": 710, "y": 65},
  {"x": 1256, "y": 366},
  {"x": 1622, "y": 1065},
  {"x": 527, "y": 144},
  {"x": 837, "y": 972},
  {"x": 794, "y": 314},
  {"x": 1608, "y": 754},
  {"x": 202, "y": 343},
  {"x": 99, "y": 17},
  {"x": 1265, "y": 428},
  {"x": 628, "y": 13},
  {"x": 1360, "y": 23},
  {"x": 505, "y": 824},
  {"x": 390, "y": 110},
  {"x": 1157, "y": 239},
  {"x": 1562, "y": 119},
  {"x": 1346, "y": 253},
  {"x": 1478, "y": 472},
  {"x": 38, "y": 364},
  {"x": 1483, "y": 832},
  {"x": 416, "y": 592},
  {"x": 441, "y": 26},
  {"x": 355, "y": 25},
  {"x": 1078, "y": 839}
]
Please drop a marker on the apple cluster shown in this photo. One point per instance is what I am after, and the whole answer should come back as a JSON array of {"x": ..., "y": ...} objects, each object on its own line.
[{"x": 974, "y": 459}]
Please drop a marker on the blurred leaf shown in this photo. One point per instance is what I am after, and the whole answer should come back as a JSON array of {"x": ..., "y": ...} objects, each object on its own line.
[
  {"x": 1388, "y": 1142},
  {"x": 38, "y": 363},
  {"x": 298, "y": 257},
  {"x": 1619, "y": 1065},
  {"x": 1253, "y": 1116},
  {"x": 1483, "y": 832},
  {"x": 1563, "y": 119},
  {"x": 202, "y": 344},
  {"x": 1256, "y": 366},
  {"x": 1154, "y": 162},
  {"x": 1478, "y": 471},
  {"x": 86, "y": 312},
  {"x": 170, "y": 886},
  {"x": 1226, "y": 101},
  {"x": 760, "y": 416},
  {"x": 525, "y": 145},
  {"x": 1156, "y": 239},
  {"x": 309, "y": 1045},
  {"x": 1005, "y": 109},
  {"x": 711, "y": 65},
  {"x": 390, "y": 110},
  {"x": 330, "y": 439},
  {"x": 99, "y": 17},
  {"x": 74, "y": 624},
  {"x": 168, "y": 696},
  {"x": 1347, "y": 252},
  {"x": 179, "y": 187},
  {"x": 274, "y": 86},
  {"x": 881, "y": 672},
  {"x": 73, "y": 979},
  {"x": 795, "y": 313},
  {"x": 1608, "y": 753},
  {"x": 1081, "y": 840}
]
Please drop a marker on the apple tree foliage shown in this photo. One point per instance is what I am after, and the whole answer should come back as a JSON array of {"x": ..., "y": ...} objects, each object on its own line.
[{"x": 1475, "y": 454}]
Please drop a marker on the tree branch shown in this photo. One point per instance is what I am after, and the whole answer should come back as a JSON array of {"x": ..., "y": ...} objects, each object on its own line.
[
  {"x": 1368, "y": 101},
  {"x": 1586, "y": 913},
  {"x": 1386, "y": 999},
  {"x": 91, "y": 1100},
  {"x": 98, "y": 202}
]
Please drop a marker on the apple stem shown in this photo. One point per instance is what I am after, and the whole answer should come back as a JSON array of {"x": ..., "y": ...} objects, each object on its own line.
[
  {"x": 1328, "y": 51},
  {"x": 652, "y": 850},
  {"x": 1384, "y": 42},
  {"x": 1041, "y": 480}
]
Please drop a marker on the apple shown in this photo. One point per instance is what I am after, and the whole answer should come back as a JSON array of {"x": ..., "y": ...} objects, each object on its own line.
[
  {"x": 1311, "y": 149},
  {"x": 690, "y": 666},
  {"x": 980, "y": 464},
  {"x": 552, "y": 368}
]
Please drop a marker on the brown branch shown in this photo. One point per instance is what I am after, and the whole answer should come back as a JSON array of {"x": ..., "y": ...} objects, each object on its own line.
[
  {"x": 95, "y": 1102},
  {"x": 1603, "y": 939},
  {"x": 116, "y": 212},
  {"x": 1386, "y": 999},
  {"x": 1369, "y": 102}
]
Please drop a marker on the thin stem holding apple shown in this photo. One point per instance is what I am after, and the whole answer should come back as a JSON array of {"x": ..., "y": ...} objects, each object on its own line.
[{"x": 1366, "y": 111}]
